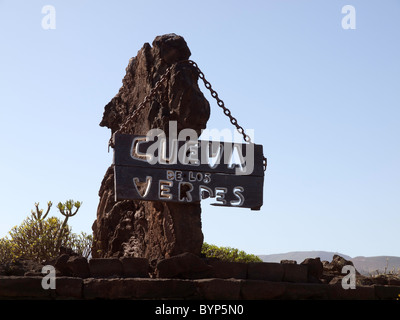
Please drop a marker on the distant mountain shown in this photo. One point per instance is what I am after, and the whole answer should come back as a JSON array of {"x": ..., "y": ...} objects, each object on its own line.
[
  {"x": 300, "y": 256},
  {"x": 365, "y": 265}
]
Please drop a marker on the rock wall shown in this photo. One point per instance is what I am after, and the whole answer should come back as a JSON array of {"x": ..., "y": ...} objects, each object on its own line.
[
  {"x": 187, "y": 277},
  {"x": 152, "y": 230}
]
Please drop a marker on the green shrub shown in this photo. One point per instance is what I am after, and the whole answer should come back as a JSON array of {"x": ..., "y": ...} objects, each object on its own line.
[
  {"x": 7, "y": 249},
  {"x": 40, "y": 238},
  {"x": 227, "y": 254}
]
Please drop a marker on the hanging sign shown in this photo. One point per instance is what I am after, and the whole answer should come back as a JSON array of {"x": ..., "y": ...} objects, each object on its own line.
[{"x": 154, "y": 168}]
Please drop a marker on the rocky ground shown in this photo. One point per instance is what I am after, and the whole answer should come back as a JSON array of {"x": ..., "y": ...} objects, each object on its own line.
[{"x": 331, "y": 273}]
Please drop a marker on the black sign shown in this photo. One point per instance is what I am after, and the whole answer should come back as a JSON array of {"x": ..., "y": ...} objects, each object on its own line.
[{"x": 188, "y": 171}]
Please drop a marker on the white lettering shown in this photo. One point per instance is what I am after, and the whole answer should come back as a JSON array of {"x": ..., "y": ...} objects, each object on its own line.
[
  {"x": 205, "y": 192},
  {"x": 164, "y": 189},
  {"x": 237, "y": 192},
  {"x": 220, "y": 194},
  {"x": 156, "y": 146},
  {"x": 174, "y": 175},
  {"x": 203, "y": 309},
  {"x": 221, "y": 309},
  {"x": 184, "y": 191},
  {"x": 170, "y": 175},
  {"x": 172, "y": 310},
  {"x": 142, "y": 188},
  {"x": 211, "y": 154},
  {"x": 214, "y": 154},
  {"x": 135, "y": 153}
]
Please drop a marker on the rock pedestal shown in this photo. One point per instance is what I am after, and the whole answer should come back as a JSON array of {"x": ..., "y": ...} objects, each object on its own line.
[{"x": 152, "y": 230}]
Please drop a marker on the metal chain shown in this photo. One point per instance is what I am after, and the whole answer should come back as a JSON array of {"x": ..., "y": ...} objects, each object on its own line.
[
  {"x": 128, "y": 122},
  {"x": 227, "y": 112},
  {"x": 220, "y": 103}
]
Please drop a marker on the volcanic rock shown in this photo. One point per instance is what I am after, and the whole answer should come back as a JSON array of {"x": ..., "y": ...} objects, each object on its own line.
[{"x": 152, "y": 230}]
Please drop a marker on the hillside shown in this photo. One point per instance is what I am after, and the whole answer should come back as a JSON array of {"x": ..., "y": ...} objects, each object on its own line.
[{"x": 365, "y": 265}]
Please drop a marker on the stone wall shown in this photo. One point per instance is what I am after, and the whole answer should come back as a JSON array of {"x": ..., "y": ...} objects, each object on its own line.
[
  {"x": 185, "y": 276},
  {"x": 29, "y": 287}
]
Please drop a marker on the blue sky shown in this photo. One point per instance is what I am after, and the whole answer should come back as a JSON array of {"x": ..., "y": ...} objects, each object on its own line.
[{"x": 323, "y": 101}]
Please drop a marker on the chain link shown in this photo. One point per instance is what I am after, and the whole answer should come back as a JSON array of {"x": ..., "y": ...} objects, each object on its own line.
[
  {"x": 129, "y": 120},
  {"x": 220, "y": 103},
  {"x": 226, "y": 111}
]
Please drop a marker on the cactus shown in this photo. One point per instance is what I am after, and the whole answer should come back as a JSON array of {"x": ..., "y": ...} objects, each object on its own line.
[
  {"x": 40, "y": 237},
  {"x": 39, "y": 217},
  {"x": 39, "y": 212},
  {"x": 66, "y": 210}
]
